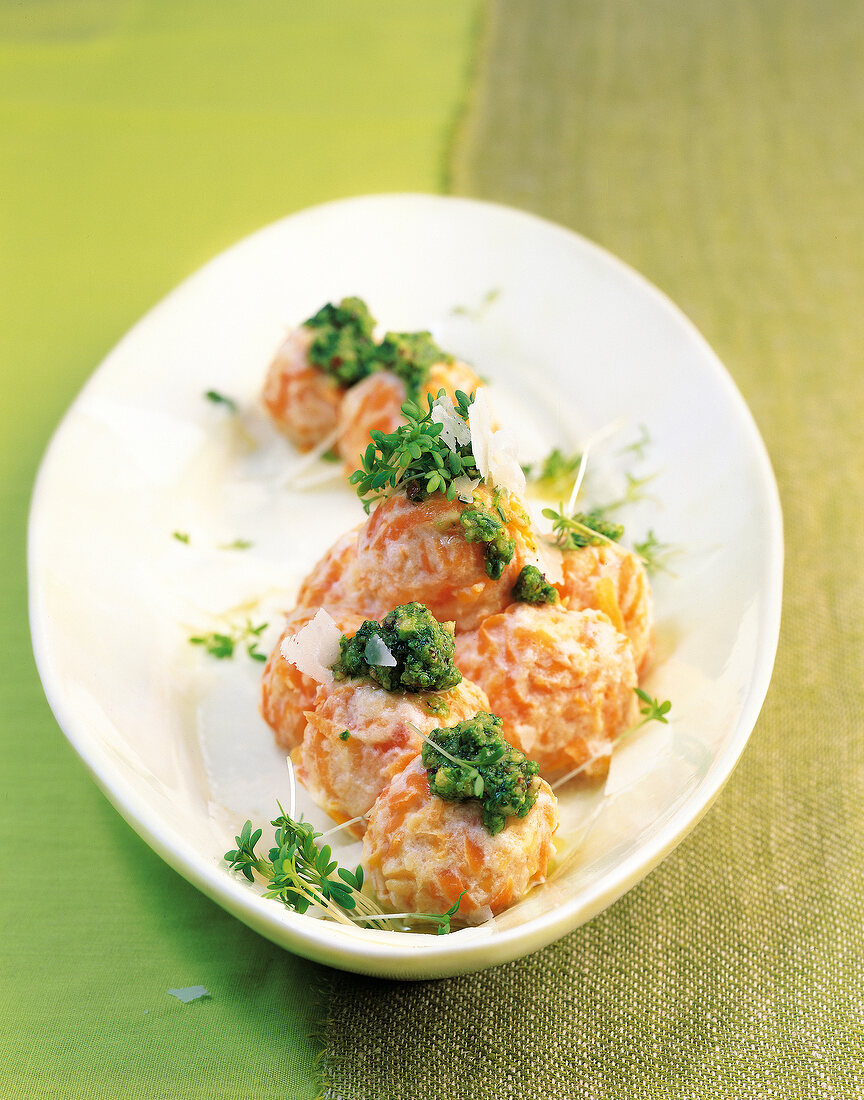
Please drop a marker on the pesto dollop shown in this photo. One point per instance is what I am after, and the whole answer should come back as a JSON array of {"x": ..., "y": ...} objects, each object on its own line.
[
  {"x": 343, "y": 345},
  {"x": 472, "y": 761},
  {"x": 410, "y": 356},
  {"x": 421, "y": 650},
  {"x": 532, "y": 587},
  {"x": 484, "y": 525}
]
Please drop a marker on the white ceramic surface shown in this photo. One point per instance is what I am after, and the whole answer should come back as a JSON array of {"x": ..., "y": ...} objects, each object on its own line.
[{"x": 570, "y": 340}]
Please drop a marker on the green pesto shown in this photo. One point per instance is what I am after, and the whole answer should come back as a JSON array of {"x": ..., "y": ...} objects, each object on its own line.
[
  {"x": 410, "y": 356},
  {"x": 532, "y": 587},
  {"x": 437, "y": 706},
  {"x": 582, "y": 529},
  {"x": 482, "y": 525},
  {"x": 477, "y": 764},
  {"x": 343, "y": 345},
  {"x": 422, "y": 647}
]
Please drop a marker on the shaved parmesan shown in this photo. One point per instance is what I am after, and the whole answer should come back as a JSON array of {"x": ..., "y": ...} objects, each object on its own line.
[
  {"x": 454, "y": 431},
  {"x": 480, "y": 423},
  {"x": 504, "y": 468},
  {"x": 377, "y": 653},
  {"x": 465, "y": 487},
  {"x": 494, "y": 452},
  {"x": 314, "y": 649}
]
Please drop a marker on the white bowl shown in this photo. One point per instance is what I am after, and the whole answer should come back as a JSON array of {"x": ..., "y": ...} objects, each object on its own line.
[{"x": 570, "y": 340}]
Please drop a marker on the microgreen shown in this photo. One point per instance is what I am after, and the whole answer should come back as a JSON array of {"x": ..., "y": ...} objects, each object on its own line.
[
  {"x": 415, "y": 457},
  {"x": 222, "y": 644},
  {"x": 237, "y": 544},
  {"x": 554, "y": 477},
  {"x": 652, "y": 710},
  {"x": 582, "y": 529},
  {"x": 300, "y": 874},
  {"x": 654, "y": 553},
  {"x": 638, "y": 446},
  {"x": 476, "y": 312},
  {"x": 181, "y": 536},
  {"x": 220, "y": 399},
  {"x": 634, "y": 491}
]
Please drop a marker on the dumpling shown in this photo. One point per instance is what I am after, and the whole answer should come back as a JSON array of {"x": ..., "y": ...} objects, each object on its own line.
[
  {"x": 312, "y": 370},
  {"x": 326, "y": 585},
  {"x": 302, "y": 400},
  {"x": 377, "y": 401},
  {"x": 420, "y": 852},
  {"x": 286, "y": 693},
  {"x": 359, "y": 736},
  {"x": 562, "y": 682},
  {"x": 612, "y": 579},
  {"x": 409, "y": 551}
]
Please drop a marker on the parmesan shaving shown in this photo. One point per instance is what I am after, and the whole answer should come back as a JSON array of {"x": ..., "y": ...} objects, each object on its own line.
[
  {"x": 454, "y": 431},
  {"x": 504, "y": 468},
  {"x": 465, "y": 487},
  {"x": 480, "y": 424},
  {"x": 494, "y": 452},
  {"x": 377, "y": 653},
  {"x": 315, "y": 648}
]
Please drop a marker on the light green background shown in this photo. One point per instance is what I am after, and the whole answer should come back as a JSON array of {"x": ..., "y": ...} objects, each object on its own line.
[{"x": 136, "y": 141}]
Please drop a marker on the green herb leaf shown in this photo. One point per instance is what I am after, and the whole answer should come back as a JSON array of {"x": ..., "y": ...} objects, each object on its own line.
[
  {"x": 414, "y": 457},
  {"x": 654, "y": 553},
  {"x": 220, "y": 399},
  {"x": 222, "y": 644},
  {"x": 581, "y": 529},
  {"x": 653, "y": 710},
  {"x": 299, "y": 874}
]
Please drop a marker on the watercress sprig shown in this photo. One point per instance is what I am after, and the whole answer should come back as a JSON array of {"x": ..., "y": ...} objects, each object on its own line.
[
  {"x": 582, "y": 528},
  {"x": 415, "y": 456},
  {"x": 300, "y": 875}
]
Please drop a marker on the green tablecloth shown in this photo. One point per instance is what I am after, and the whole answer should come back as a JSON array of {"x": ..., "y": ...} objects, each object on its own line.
[
  {"x": 717, "y": 148},
  {"x": 137, "y": 139}
]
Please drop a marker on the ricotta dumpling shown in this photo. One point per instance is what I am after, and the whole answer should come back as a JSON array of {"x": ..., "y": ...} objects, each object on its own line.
[
  {"x": 421, "y": 551},
  {"x": 563, "y": 682},
  {"x": 609, "y": 578},
  {"x": 376, "y": 403},
  {"x": 285, "y": 692},
  {"x": 420, "y": 852},
  {"x": 302, "y": 401},
  {"x": 358, "y": 736},
  {"x": 313, "y": 369}
]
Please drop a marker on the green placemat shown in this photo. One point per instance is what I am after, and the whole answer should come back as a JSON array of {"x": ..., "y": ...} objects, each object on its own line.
[
  {"x": 717, "y": 148},
  {"x": 137, "y": 139}
]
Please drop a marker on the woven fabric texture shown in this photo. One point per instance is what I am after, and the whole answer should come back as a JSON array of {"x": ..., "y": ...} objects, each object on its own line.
[{"x": 718, "y": 149}]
